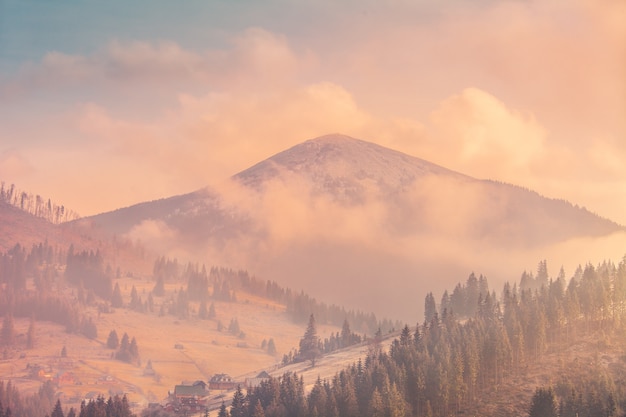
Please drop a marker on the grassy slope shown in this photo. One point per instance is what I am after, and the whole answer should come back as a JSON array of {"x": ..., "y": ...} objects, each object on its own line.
[{"x": 206, "y": 351}]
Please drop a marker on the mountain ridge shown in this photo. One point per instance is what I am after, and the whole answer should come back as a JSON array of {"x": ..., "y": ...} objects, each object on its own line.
[
  {"x": 335, "y": 164},
  {"x": 356, "y": 224}
]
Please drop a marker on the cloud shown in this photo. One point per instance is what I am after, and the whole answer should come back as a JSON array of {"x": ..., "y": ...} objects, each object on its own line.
[
  {"x": 484, "y": 138},
  {"x": 364, "y": 255},
  {"x": 494, "y": 91},
  {"x": 137, "y": 60},
  {"x": 13, "y": 164},
  {"x": 255, "y": 58}
]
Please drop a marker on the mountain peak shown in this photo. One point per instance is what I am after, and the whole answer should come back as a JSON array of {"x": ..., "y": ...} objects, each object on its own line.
[
  {"x": 334, "y": 138},
  {"x": 337, "y": 161}
]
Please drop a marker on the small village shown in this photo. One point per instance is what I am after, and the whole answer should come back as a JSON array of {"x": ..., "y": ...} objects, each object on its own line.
[
  {"x": 197, "y": 396},
  {"x": 185, "y": 398}
]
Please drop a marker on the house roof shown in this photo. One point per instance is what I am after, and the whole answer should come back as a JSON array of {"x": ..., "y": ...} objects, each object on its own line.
[
  {"x": 221, "y": 378},
  {"x": 189, "y": 391},
  {"x": 263, "y": 374}
]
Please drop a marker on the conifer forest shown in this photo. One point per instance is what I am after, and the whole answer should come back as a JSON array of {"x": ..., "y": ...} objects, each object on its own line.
[{"x": 471, "y": 343}]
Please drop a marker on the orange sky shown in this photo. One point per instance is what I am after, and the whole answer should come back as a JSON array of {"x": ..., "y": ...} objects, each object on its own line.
[{"x": 117, "y": 111}]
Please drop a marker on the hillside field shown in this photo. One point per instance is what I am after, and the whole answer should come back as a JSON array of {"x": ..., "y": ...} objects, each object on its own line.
[{"x": 179, "y": 349}]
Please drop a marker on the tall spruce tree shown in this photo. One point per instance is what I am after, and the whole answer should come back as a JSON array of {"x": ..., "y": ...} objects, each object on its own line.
[
  {"x": 113, "y": 341},
  {"x": 310, "y": 343},
  {"x": 238, "y": 407},
  {"x": 58, "y": 411},
  {"x": 430, "y": 307},
  {"x": 116, "y": 297}
]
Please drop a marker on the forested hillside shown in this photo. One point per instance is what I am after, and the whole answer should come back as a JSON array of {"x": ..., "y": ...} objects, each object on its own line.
[
  {"x": 86, "y": 297},
  {"x": 543, "y": 343},
  {"x": 472, "y": 363}
]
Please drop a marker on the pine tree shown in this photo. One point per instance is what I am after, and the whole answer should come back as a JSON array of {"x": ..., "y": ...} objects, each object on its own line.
[
  {"x": 125, "y": 342},
  {"x": 113, "y": 341},
  {"x": 309, "y": 344},
  {"x": 271, "y": 347},
  {"x": 135, "y": 300},
  {"x": 543, "y": 403},
  {"x": 394, "y": 402},
  {"x": 159, "y": 287},
  {"x": 133, "y": 351},
  {"x": 223, "y": 411},
  {"x": 258, "y": 410},
  {"x": 317, "y": 398},
  {"x": 405, "y": 336},
  {"x": 116, "y": 297},
  {"x": 376, "y": 405},
  {"x": 238, "y": 406},
  {"x": 346, "y": 334},
  {"x": 430, "y": 308},
  {"x": 58, "y": 411}
]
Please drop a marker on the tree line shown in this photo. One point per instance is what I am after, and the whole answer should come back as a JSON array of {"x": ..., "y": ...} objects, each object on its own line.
[
  {"x": 36, "y": 205},
  {"x": 222, "y": 284},
  {"x": 42, "y": 403},
  {"x": 311, "y": 346}
]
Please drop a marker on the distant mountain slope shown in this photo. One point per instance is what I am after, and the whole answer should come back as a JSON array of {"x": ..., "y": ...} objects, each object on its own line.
[
  {"x": 351, "y": 221},
  {"x": 20, "y": 227}
]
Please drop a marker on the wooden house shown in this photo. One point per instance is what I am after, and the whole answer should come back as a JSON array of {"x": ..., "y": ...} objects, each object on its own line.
[
  {"x": 222, "y": 382},
  {"x": 257, "y": 380}
]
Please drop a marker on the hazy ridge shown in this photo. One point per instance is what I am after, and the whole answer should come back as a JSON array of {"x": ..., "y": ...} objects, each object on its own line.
[{"x": 333, "y": 212}]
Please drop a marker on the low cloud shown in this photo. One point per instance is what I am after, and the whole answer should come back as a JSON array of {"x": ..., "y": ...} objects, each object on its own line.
[
  {"x": 384, "y": 253},
  {"x": 159, "y": 237}
]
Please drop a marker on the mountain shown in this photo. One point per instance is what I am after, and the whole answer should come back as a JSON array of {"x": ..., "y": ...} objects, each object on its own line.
[
  {"x": 351, "y": 170},
  {"x": 358, "y": 224}
]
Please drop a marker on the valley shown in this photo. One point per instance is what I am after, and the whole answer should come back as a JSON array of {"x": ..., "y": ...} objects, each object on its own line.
[
  {"x": 91, "y": 309},
  {"x": 178, "y": 350}
]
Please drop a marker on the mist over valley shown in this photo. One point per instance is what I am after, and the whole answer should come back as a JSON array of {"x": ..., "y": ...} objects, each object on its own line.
[{"x": 365, "y": 226}]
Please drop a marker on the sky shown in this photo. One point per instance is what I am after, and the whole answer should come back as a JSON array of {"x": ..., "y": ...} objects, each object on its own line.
[{"x": 104, "y": 104}]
